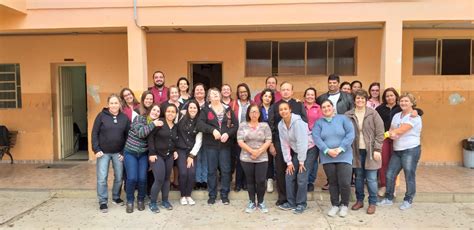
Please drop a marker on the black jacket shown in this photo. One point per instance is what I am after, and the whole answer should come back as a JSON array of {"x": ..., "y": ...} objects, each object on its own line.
[
  {"x": 162, "y": 140},
  {"x": 110, "y": 132},
  {"x": 208, "y": 121},
  {"x": 344, "y": 104},
  {"x": 387, "y": 114},
  {"x": 187, "y": 131},
  {"x": 274, "y": 116}
]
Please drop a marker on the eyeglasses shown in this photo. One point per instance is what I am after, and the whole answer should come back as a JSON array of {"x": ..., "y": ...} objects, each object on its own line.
[{"x": 374, "y": 90}]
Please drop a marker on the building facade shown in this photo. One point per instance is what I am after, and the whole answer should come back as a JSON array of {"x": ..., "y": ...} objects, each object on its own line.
[{"x": 56, "y": 55}]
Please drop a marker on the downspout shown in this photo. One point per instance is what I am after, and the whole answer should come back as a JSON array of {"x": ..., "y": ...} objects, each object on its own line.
[{"x": 135, "y": 16}]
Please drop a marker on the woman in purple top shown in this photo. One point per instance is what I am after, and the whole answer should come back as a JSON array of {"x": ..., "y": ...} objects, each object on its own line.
[{"x": 254, "y": 137}]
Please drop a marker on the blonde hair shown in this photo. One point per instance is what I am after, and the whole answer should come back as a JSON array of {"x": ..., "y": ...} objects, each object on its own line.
[{"x": 410, "y": 97}]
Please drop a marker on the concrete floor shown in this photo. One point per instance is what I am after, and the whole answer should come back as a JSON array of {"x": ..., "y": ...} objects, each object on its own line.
[{"x": 39, "y": 210}]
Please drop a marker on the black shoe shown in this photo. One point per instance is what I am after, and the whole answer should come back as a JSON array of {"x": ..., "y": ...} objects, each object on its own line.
[
  {"x": 211, "y": 201},
  {"x": 129, "y": 208},
  {"x": 174, "y": 187},
  {"x": 118, "y": 201},
  {"x": 237, "y": 188},
  {"x": 103, "y": 208},
  {"x": 279, "y": 202},
  {"x": 141, "y": 205},
  {"x": 197, "y": 186},
  {"x": 310, "y": 188},
  {"x": 225, "y": 201},
  {"x": 204, "y": 186}
]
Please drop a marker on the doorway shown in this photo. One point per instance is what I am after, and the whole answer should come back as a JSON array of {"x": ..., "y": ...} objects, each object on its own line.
[
  {"x": 209, "y": 74},
  {"x": 73, "y": 113}
]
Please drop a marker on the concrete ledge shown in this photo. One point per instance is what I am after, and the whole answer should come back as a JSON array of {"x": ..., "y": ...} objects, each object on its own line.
[{"x": 312, "y": 196}]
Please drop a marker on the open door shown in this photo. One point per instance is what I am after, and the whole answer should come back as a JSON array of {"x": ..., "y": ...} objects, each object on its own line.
[
  {"x": 209, "y": 74},
  {"x": 66, "y": 112}
]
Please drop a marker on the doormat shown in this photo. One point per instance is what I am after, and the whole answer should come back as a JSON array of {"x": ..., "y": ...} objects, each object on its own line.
[{"x": 56, "y": 166}]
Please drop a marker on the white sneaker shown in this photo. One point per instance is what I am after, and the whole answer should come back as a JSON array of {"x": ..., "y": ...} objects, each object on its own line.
[
  {"x": 270, "y": 185},
  {"x": 190, "y": 200},
  {"x": 405, "y": 205},
  {"x": 333, "y": 211},
  {"x": 343, "y": 211},
  {"x": 183, "y": 201},
  {"x": 385, "y": 202}
]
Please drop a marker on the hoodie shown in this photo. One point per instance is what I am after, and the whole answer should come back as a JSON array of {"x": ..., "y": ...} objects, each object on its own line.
[
  {"x": 110, "y": 132},
  {"x": 294, "y": 138}
]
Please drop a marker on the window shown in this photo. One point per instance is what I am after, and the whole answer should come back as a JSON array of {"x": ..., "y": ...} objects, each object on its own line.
[
  {"x": 10, "y": 89},
  {"x": 323, "y": 57},
  {"x": 291, "y": 58},
  {"x": 443, "y": 57},
  {"x": 258, "y": 58}
]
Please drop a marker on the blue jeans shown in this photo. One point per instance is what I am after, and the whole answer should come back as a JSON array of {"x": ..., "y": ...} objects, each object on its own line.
[
  {"x": 102, "y": 175},
  {"x": 407, "y": 160},
  {"x": 218, "y": 158},
  {"x": 312, "y": 158},
  {"x": 296, "y": 184},
  {"x": 201, "y": 166},
  {"x": 136, "y": 165},
  {"x": 362, "y": 174}
]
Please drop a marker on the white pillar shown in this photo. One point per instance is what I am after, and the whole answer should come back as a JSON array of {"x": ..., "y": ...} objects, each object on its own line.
[
  {"x": 137, "y": 59},
  {"x": 391, "y": 66}
]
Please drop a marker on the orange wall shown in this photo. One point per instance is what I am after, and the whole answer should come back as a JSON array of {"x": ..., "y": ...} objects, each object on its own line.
[
  {"x": 444, "y": 125},
  {"x": 172, "y": 52},
  {"x": 105, "y": 57}
]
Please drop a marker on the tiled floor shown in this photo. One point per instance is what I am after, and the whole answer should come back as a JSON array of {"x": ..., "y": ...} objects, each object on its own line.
[{"x": 430, "y": 179}]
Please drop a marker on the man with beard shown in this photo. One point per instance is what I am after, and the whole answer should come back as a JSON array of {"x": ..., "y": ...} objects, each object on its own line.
[
  {"x": 270, "y": 83},
  {"x": 159, "y": 90}
]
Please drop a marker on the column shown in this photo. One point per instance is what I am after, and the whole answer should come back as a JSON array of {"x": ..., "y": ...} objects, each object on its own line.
[
  {"x": 391, "y": 66},
  {"x": 137, "y": 59}
]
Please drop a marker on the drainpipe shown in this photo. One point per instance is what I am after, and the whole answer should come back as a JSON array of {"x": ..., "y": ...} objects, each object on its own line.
[{"x": 135, "y": 16}]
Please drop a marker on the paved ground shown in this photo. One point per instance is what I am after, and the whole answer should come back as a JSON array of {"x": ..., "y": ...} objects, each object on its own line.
[{"x": 45, "y": 210}]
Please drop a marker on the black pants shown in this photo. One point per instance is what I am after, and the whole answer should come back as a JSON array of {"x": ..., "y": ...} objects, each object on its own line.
[
  {"x": 256, "y": 176},
  {"x": 161, "y": 171},
  {"x": 271, "y": 167},
  {"x": 339, "y": 176},
  {"x": 280, "y": 168},
  {"x": 187, "y": 176},
  {"x": 237, "y": 166}
]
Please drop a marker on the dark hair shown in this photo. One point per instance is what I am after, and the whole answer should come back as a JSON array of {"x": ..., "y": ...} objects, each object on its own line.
[
  {"x": 334, "y": 77},
  {"x": 344, "y": 83},
  {"x": 148, "y": 111},
  {"x": 326, "y": 100},
  {"x": 199, "y": 84},
  {"x": 282, "y": 102},
  {"x": 181, "y": 79},
  {"x": 170, "y": 105},
  {"x": 361, "y": 93},
  {"x": 391, "y": 89},
  {"x": 246, "y": 88},
  {"x": 158, "y": 71},
  {"x": 370, "y": 89},
  {"x": 124, "y": 103},
  {"x": 355, "y": 82},
  {"x": 143, "y": 109},
  {"x": 274, "y": 77},
  {"x": 168, "y": 93},
  {"x": 192, "y": 101},
  {"x": 308, "y": 89},
  {"x": 247, "y": 116},
  {"x": 266, "y": 91}
]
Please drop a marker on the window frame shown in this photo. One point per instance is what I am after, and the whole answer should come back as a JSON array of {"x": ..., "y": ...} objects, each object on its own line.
[
  {"x": 17, "y": 90},
  {"x": 305, "y": 40},
  {"x": 439, "y": 56}
]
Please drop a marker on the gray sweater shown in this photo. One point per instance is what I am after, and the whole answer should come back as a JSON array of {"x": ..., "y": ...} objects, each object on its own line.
[{"x": 294, "y": 138}]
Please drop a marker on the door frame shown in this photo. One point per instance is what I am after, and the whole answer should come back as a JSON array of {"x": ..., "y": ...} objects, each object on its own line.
[
  {"x": 58, "y": 104},
  {"x": 190, "y": 71}
]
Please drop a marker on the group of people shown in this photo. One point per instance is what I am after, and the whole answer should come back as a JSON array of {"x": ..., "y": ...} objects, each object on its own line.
[{"x": 210, "y": 136}]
